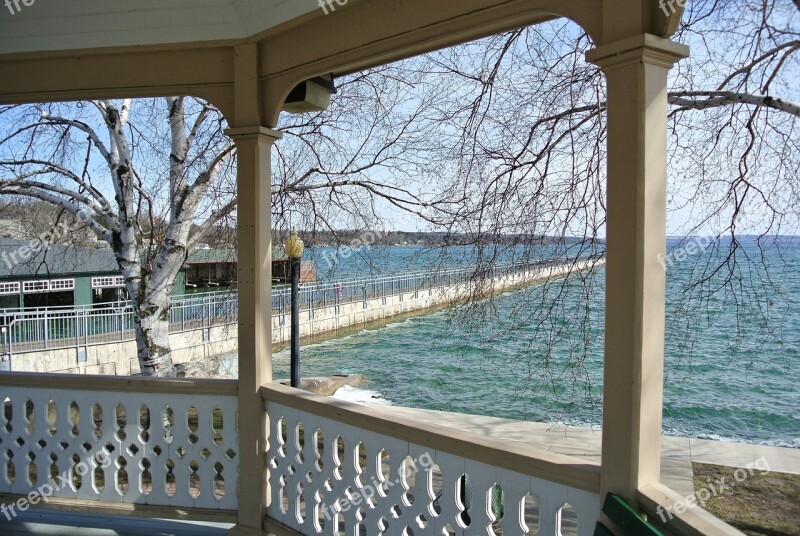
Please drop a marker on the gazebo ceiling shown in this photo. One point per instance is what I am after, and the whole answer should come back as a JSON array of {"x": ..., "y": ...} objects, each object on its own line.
[
  {"x": 246, "y": 56},
  {"x": 86, "y": 24}
]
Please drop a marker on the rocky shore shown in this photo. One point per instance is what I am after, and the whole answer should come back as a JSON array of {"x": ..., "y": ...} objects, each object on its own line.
[{"x": 327, "y": 386}]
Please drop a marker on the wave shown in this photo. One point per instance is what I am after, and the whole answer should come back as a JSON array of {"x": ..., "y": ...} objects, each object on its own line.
[
  {"x": 395, "y": 325},
  {"x": 791, "y": 443},
  {"x": 786, "y": 443},
  {"x": 361, "y": 396},
  {"x": 333, "y": 341}
]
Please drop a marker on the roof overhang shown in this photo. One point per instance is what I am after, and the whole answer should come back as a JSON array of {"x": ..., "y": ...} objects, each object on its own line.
[
  {"x": 89, "y": 24},
  {"x": 246, "y": 56}
]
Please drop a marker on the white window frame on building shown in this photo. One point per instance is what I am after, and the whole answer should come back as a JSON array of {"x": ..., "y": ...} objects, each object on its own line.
[
  {"x": 57, "y": 285},
  {"x": 108, "y": 282},
  {"x": 41, "y": 286},
  {"x": 9, "y": 288}
]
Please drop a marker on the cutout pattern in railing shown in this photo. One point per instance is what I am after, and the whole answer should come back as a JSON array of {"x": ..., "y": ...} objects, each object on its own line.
[
  {"x": 140, "y": 448},
  {"x": 331, "y": 478}
]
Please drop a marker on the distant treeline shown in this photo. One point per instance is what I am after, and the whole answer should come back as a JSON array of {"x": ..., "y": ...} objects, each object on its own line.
[{"x": 416, "y": 238}]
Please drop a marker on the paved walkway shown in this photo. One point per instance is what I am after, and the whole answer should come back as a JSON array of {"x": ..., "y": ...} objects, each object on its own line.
[
  {"x": 678, "y": 453},
  {"x": 50, "y": 523}
]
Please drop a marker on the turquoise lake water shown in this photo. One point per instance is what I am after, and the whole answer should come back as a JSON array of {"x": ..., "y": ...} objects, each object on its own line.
[{"x": 732, "y": 358}]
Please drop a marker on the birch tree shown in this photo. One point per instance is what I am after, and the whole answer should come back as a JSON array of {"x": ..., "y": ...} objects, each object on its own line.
[
  {"x": 153, "y": 177},
  {"x": 93, "y": 162}
]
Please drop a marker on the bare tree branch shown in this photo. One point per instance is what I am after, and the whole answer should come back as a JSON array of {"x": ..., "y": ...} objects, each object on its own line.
[{"x": 715, "y": 99}]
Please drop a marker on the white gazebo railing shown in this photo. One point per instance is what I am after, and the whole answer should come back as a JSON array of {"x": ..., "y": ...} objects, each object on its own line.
[
  {"x": 170, "y": 449},
  {"x": 337, "y": 467},
  {"x": 109, "y": 440}
]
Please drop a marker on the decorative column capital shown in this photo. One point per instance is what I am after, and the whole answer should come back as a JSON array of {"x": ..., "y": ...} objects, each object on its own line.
[
  {"x": 642, "y": 48},
  {"x": 244, "y": 133}
]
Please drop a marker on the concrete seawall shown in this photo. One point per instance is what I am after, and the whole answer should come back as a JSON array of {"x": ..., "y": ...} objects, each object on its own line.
[
  {"x": 335, "y": 318},
  {"x": 200, "y": 345}
]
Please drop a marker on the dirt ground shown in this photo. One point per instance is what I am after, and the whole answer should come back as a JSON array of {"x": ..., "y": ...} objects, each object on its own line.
[{"x": 759, "y": 505}]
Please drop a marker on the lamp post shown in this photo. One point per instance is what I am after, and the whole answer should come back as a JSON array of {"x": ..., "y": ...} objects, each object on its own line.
[{"x": 294, "y": 250}]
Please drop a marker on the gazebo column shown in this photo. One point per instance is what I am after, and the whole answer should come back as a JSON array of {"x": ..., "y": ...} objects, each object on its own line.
[
  {"x": 254, "y": 232},
  {"x": 636, "y": 71}
]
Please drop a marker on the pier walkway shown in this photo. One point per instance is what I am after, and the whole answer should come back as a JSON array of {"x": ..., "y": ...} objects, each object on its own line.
[
  {"x": 101, "y": 340},
  {"x": 678, "y": 453}
]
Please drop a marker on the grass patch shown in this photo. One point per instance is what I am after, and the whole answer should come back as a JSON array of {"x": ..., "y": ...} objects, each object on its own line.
[{"x": 761, "y": 505}]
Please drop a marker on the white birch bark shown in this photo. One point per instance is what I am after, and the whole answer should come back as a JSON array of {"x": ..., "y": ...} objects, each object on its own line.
[{"x": 149, "y": 265}]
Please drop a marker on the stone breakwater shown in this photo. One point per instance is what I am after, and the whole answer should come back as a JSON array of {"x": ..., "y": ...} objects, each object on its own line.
[{"x": 199, "y": 350}]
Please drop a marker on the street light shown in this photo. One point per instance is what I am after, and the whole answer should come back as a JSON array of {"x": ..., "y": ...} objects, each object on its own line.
[{"x": 294, "y": 250}]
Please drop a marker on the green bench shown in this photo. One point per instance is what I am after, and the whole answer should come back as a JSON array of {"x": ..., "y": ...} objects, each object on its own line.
[{"x": 625, "y": 518}]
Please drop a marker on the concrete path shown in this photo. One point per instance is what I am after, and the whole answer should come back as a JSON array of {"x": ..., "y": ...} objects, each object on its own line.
[
  {"x": 50, "y": 523},
  {"x": 678, "y": 453}
]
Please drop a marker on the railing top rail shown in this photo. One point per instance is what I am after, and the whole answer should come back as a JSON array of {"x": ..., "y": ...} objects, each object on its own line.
[
  {"x": 424, "y": 274},
  {"x": 85, "y": 382},
  {"x": 220, "y": 296},
  {"x": 511, "y": 455},
  {"x": 655, "y": 498}
]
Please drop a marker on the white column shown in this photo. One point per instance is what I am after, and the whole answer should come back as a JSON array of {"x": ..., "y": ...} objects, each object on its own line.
[
  {"x": 254, "y": 249},
  {"x": 636, "y": 71}
]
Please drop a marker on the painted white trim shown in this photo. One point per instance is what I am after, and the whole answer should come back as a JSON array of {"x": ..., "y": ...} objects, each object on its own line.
[
  {"x": 108, "y": 282},
  {"x": 41, "y": 286},
  {"x": 7, "y": 288}
]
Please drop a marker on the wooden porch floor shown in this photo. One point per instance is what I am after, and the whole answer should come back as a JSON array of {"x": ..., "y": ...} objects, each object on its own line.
[{"x": 50, "y": 523}]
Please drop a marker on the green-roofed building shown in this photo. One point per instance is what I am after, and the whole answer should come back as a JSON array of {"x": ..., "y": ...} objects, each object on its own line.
[
  {"x": 61, "y": 276},
  {"x": 210, "y": 269}
]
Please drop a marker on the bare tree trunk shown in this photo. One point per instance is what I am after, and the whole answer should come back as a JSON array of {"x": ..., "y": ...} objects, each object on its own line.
[
  {"x": 152, "y": 340},
  {"x": 151, "y": 305},
  {"x": 150, "y": 245}
]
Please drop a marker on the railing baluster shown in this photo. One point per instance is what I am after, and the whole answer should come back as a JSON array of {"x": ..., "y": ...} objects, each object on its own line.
[
  {"x": 377, "y": 476},
  {"x": 94, "y": 418}
]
